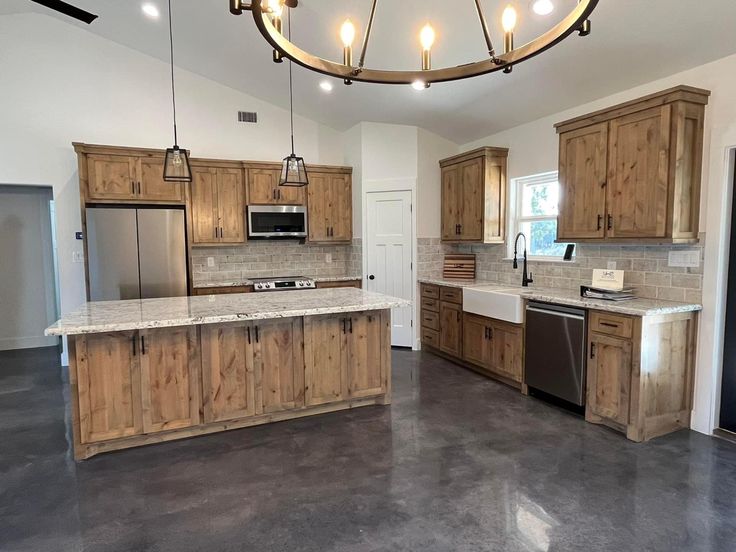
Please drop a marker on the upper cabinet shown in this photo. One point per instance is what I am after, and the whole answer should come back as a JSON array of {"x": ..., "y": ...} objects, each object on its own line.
[
  {"x": 474, "y": 196},
  {"x": 264, "y": 189},
  {"x": 632, "y": 172},
  {"x": 218, "y": 205},
  {"x": 129, "y": 176},
  {"x": 330, "y": 205}
]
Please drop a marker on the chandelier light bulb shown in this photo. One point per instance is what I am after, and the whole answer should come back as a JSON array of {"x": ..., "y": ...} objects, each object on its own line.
[
  {"x": 508, "y": 19},
  {"x": 276, "y": 7},
  {"x": 426, "y": 36},
  {"x": 543, "y": 7},
  {"x": 347, "y": 33},
  {"x": 419, "y": 85}
]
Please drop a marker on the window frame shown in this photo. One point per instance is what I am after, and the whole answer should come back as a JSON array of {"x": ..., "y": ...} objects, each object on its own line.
[{"x": 516, "y": 219}]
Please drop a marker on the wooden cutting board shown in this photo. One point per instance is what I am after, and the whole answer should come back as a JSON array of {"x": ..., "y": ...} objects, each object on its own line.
[{"x": 459, "y": 267}]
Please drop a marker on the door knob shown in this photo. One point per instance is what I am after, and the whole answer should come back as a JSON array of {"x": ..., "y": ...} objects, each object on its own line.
[{"x": 371, "y": 277}]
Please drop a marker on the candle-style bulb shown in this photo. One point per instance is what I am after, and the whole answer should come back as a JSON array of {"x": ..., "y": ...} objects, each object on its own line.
[
  {"x": 427, "y": 36},
  {"x": 508, "y": 19},
  {"x": 347, "y": 33}
]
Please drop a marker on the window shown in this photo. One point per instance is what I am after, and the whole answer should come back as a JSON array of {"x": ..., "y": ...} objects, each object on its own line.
[{"x": 535, "y": 211}]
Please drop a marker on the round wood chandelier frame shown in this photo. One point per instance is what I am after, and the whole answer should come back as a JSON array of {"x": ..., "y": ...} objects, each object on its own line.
[{"x": 576, "y": 20}]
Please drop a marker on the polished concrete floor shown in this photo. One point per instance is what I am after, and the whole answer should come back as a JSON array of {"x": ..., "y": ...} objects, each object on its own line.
[{"x": 457, "y": 463}]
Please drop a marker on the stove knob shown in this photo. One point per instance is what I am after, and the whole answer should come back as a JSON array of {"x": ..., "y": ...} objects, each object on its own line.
[{"x": 301, "y": 284}]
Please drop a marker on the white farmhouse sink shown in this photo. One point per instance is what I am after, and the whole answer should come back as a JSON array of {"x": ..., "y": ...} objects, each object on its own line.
[{"x": 495, "y": 302}]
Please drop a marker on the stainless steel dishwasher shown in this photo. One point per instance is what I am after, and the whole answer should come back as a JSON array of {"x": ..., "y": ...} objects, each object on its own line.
[{"x": 555, "y": 351}]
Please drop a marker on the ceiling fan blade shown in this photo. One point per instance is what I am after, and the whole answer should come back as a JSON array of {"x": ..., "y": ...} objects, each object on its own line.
[{"x": 68, "y": 9}]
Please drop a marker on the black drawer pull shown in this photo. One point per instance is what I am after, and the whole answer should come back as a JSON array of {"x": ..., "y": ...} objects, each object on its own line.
[
  {"x": 592, "y": 350},
  {"x": 609, "y": 324}
]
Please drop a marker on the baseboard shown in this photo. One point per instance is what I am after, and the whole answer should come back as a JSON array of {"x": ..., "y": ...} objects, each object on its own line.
[{"x": 12, "y": 343}]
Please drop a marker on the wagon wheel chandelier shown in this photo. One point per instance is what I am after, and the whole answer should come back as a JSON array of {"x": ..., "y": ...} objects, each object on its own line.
[{"x": 267, "y": 15}]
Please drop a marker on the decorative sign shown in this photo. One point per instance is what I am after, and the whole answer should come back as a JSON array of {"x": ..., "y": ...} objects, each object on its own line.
[{"x": 608, "y": 279}]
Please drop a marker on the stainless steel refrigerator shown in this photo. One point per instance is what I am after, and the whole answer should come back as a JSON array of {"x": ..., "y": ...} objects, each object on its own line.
[{"x": 136, "y": 253}]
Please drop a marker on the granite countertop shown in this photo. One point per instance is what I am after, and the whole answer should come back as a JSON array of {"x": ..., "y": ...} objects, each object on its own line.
[
  {"x": 247, "y": 282},
  {"x": 634, "y": 307},
  {"x": 113, "y": 316}
]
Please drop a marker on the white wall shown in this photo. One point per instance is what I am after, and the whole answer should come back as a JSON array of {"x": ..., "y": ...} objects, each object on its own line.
[
  {"x": 431, "y": 149},
  {"x": 27, "y": 295},
  {"x": 61, "y": 84},
  {"x": 533, "y": 150}
]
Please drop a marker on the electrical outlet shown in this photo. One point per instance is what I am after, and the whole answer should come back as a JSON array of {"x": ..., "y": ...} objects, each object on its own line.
[
  {"x": 328, "y": 257},
  {"x": 77, "y": 257},
  {"x": 211, "y": 262},
  {"x": 687, "y": 258},
  {"x": 611, "y": 265}
]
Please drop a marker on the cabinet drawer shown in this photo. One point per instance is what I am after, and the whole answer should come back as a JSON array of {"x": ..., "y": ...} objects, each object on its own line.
[
  {"x": 612, "y": 324},
  {"x": 451, "y": 295},
  {"x": 430, "y": 304},
  {"x": 431, "y": 291},
  {"x": 431, "y": 338},
  {"x": 430, "y": 320}
]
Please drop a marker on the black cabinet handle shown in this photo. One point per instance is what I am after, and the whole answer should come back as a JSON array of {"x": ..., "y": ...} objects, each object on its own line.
[
  {"x": 490, "y": 333},
  {"x": 610, "y": 222},
  {"x": 609, "y": 324},
  {"x": 134, "y": 345},
  {"x": 344, "y": 322},
  {"x": 592, "y": 350},
  {"x": 371, "y": 277},
  {"x": 351, "y": 325},
  {"x": 247, "y": 330},
  {"x": 258, "y": 338},
  {"x": 132, "y": 187},
  {"x": 485, "y": 332},
  {"x": 600, "y": 222},
  {"x": 143, "y": 344},
  {"x": 139, "y": 188}
]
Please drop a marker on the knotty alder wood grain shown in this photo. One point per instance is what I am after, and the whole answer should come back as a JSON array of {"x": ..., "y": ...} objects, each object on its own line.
[{"x": 147, "y": 386}]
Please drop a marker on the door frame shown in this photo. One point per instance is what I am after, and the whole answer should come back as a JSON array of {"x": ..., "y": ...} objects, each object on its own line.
[{"x": 393, "y": 185}]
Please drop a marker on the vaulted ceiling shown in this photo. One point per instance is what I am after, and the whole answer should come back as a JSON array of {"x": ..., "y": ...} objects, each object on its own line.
[{"x": 633, "y": 42}]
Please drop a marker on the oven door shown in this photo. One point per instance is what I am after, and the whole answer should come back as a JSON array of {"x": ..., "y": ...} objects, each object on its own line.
[{"x": 277, "y": 221}]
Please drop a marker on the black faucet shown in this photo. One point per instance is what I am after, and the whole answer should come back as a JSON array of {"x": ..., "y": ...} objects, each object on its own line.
[{"x": 525, "y": 279}]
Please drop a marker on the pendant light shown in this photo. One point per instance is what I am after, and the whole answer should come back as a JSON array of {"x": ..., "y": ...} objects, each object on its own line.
[
  {"x": 293, "y": 169},
  {"x": 176, "y": 163}
]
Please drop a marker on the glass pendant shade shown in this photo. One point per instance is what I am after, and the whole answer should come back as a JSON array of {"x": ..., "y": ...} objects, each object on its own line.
[
  {"x": 176, "y": 165},
  {"x": 293, "y": 172}
]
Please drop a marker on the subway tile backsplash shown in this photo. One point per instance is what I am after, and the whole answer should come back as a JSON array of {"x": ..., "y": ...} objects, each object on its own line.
[
  {"x": 258, "y": 259},
  {"x": 646, "y": 267}
]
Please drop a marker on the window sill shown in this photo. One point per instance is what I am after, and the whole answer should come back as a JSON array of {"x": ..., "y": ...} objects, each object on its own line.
[{"x": 543, "y": 260}]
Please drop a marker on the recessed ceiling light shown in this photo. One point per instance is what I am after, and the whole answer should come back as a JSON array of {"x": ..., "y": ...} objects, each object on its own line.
[
  {"x": 419, "y": 85},
  {"x": 151, "y": 10},
  {"x": 542, "y": 7},
  {"x": 326, "y": 86}
]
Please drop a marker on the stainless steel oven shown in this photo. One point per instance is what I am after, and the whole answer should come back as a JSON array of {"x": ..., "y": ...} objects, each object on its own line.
[{"x": 277, "y": 221}]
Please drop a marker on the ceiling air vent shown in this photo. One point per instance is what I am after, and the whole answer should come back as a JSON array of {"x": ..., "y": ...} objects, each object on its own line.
[{"x": 247, "y": 116}]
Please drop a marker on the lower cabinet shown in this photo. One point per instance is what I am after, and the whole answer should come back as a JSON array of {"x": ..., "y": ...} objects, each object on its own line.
[
  {"x": 170, "y": 378},
  {"x": 442, "y": 318},
  {"x": 609, "y": 377},
  {"x": 494, "y": 345},
  {"x": 279, "y": 362},
  {"x": 345, "y": 356},
  {"x": 451, "y": 328}
]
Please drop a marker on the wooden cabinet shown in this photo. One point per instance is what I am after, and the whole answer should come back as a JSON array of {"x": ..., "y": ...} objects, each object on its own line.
[
  {"x": 451, "y": 328},
  {"x": 633, "y": 171},
  {"x": 217, "y": 206},
  {"x": 609, "y": 378},
  {"x": 357, "y": 283},
  {"x": 170, "y": 376},
  {"x": 442, "y": 318},
  {"x": 346, "y": 356},
  {"x": 264, "y": 189},
  {"x": 279, "y": 361},
  {"x": 330, "y": 206},
  {"x": 228, "y": 381},
  {"x": 130, "y": 178},
  {"x": 474, "y": 196},
  {"x": 107, "y": 379},
  {"x": 224, "y": 290},
  {"x": 493, "y": 345}
]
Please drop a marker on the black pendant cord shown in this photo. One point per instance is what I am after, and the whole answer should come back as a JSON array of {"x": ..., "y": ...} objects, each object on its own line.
[
  {"x": 173, "y": 89},
  {"x": 291, "y": 88}
]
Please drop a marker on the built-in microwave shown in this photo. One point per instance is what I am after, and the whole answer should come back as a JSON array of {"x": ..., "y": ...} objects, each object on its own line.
[{"x": 277, "y": 221}]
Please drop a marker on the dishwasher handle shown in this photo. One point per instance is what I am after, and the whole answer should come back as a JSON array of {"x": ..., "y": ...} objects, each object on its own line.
[{"x": 556, "y": 313}]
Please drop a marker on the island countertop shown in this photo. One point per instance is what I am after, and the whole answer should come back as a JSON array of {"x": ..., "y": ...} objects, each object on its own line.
[{"x": 136, "y": 314}]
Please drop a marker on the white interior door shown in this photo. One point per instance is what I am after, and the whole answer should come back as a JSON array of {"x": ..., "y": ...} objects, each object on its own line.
[{"x": 389, "y": 252}]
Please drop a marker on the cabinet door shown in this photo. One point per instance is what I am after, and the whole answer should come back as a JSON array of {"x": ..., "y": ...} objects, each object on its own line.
[
  {"x": 290, "y": 195},
  {"x": 111, "y": 177},
  {"x": 507, "y": 350},
  {"x": 451, "y": 198},
  {"x": 230, "y": 205},
  {"x": 476, "y": 340},
  {"x": 204, "y": 206},
  {"x": 109, "y": 386},
  {"x": 494, "y": 229},
  {"x": 318, "y": 195},
  {"x": 340, "y": 213},
  {"x": 451, "y": 328},
  {"x": 170, "y": 375},
  {"x": 325, "y": 370},
  {"x": 279, "y": 365},
  {"x": 153, "y": 187},
  {"x": 609, "y": 378},
  {"x": 638, "y": 174},
  {"x": 366, "y": 342},
  {"x": 472, "y": 204},
  {"x": 228, "y": 384},
  {"x": 262, "y": 185},
  {"x": 582, "y": 177}
]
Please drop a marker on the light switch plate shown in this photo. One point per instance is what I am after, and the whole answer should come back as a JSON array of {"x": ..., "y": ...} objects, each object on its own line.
[
  {"x": 328, "y": 257},
  {"x": 77, "y": 257},
  {"x": 686, "y": 258},
  {"x": 211, "y": 262},
  {"x": 611, "y": 265}
]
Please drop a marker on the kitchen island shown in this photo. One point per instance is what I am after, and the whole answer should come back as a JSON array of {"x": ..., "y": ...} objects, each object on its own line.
[{"x": 152, "y": 370}]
